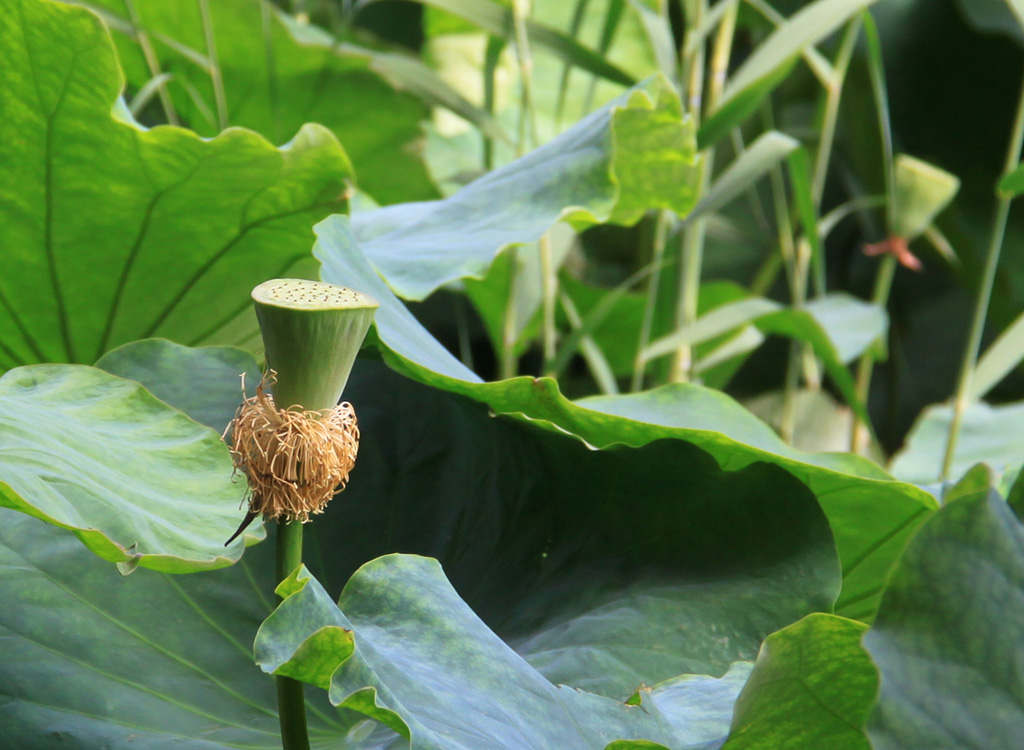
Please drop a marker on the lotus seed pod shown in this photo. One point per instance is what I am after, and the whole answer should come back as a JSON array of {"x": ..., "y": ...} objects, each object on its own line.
[
  {"x": 297, "y": 447},
  {"x": 312, "y": 332}
]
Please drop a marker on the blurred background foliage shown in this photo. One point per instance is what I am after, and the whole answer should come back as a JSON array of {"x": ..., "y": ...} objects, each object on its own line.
[
  {"x": 426, "y": 97},
  {"x": 953, "y": 70}
]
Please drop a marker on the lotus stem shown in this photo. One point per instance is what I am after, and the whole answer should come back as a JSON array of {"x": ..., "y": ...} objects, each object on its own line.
[{"x": 297, "y": 446}]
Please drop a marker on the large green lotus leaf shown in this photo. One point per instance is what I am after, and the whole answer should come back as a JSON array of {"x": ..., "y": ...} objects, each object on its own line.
[
  {"x": 637, "y": 152},
  {"x": 947, "y": 640},
  {"x": 988, "y": 433},
  {"x": 113, "y": 232},
  {"x": 605, "y": 568},
  {"x": 204, "y": 383},
  {"x": 137, "y": 481},
  {"x": 812, "y": 687},
  {"x": 694, "y": 407},
  {"x": 403, "y": 648},
  {"x": 277, "y": 77},
  {"x": 871, "y": 515},
  {"x": 93, "y": 660}
]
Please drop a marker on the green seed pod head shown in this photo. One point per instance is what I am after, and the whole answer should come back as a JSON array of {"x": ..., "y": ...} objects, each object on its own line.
[{"x": 312, "y": 332}]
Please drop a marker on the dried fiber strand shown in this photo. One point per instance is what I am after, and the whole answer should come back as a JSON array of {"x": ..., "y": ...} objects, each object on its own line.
[{"x": 294, "y": 459}]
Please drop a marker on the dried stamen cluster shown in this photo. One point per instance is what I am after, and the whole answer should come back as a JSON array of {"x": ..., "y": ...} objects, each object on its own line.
[{"x": 294, "y": 459}]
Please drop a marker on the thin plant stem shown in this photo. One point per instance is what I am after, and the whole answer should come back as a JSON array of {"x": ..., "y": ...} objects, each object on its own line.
[
  {"x": 970, "y": 357},
  {"x": 462, "y": 326},
  {"x": 865, "y": 366},
  {"x": 152, "y": 62},
  {"x": 527, "y": 121},
  {"x": 833, "y": 95},
  {"x": 796, "y": 276},
  {"x": 563, "y": 83},
  {"x": 887, "y": 268},
  {"x": 549, "y": 293},
  {"x": 657, "y": 259},
  {"x": 739, "y": 148},
  {"x": 492, "y": 56},
  {"x": 611, "y": 24},
  {"x": 592, "y": 354},
  {"x": 507, "y": 361},
  {"x": 268, "y": 54},
  {"x": 797, "y": 285},
  {"x": 720, "y": 55},
  {"x": 692, "y": 244},
  {"x": 214, "y": 68},
  {"x": 291, "y": 700}
]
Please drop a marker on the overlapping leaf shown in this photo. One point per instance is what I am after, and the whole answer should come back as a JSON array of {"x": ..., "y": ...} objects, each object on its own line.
[
  {"x": 988, "y": 433},
  {"x": 137, "y": 481},
  {"x": 402, "y": 647},
  {"x": 113, "y": 232},
  {"x": 812, "y": 686},
  {"x": 95, "y": 660},
  {"x": 635, "y": 153},
  {"x": 871, "y": 515},
  {"x": 947, "y": 641},
  {"x": 605, "y": 569},
  {"x": 275, "y": 74}
]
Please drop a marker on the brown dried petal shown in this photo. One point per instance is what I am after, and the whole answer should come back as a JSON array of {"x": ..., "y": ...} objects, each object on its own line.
[{"x": 294, "y": 460}]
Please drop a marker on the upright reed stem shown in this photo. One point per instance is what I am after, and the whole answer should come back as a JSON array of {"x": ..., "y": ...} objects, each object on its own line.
[
  {"x": 291, "y": 700},
  {"x": 691, "y": 255},
  {"x": 887, "y": 268},
  {"x": 311, "y": 333},
  {"x": 988, "y": 278}
]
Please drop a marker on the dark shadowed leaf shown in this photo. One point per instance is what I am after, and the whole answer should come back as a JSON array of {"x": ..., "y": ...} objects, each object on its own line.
[
  {"x": 947, "y": 640},
  {"x": 411, "y": 654},
  {"x": 871, "y": 515},
  {"x": 94, "y": 660}
]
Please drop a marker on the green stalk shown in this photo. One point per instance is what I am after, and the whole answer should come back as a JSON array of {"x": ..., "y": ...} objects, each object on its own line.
[
  {"x": 797, "y": 284},
  {"x": 214, "y": 67},
  {"x": 866, "y": 364},
  {"x": 508, "y": 364},
  {"x": 563, "y": 83},
  {"x": 797, "y": 264},
  {"x": 492, "y": 56},
  {"x": 612, "y": 16},
  {"x": 549, "y": 292},
  {"x": 653, "y": 283},
  {"x": 268, "y": 54},
  {"x": 691, "y": 257},
  {"x": 988, "y": 278},
  {"x": 527, "y": 122},
  {"x": 311, "y": 332},
  {"x": 291, "y": 699},
  {"x": 830, "y": 114},
  {"x": 887, "y": 268},
  {"x": 152, "y": 62}
]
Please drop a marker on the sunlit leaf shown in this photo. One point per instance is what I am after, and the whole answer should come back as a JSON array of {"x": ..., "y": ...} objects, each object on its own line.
[{"x": 113, "y": 232}]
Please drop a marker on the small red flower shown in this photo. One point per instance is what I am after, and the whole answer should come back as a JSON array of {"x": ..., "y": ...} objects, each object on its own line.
[{"x": 897, "y": 246}]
